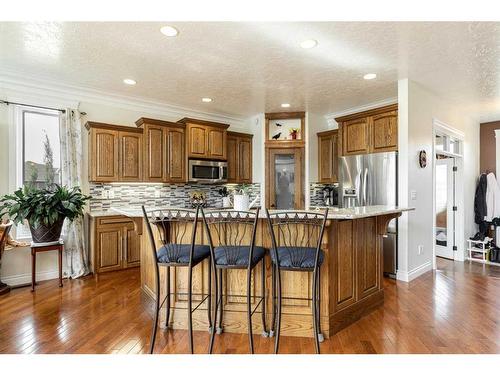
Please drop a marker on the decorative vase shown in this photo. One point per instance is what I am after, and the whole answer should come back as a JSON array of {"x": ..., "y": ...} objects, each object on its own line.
[{"x": 226, "y": 202}]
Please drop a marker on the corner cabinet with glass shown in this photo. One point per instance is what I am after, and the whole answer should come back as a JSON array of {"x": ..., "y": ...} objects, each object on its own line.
[{"x": 285, "y": 160}]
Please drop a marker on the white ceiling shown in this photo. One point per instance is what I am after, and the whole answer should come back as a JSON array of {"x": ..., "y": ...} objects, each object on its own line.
[{"x": 254, "y": 67}]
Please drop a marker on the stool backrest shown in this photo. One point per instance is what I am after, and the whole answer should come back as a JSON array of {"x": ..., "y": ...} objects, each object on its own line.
[
  {"x": 296, "y": 229},
  {"x": 231, "y": 230},
  {"x": 175, "y": 227}
]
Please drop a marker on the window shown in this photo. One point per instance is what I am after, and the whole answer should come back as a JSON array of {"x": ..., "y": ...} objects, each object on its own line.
[{"x": 37, "y": 151}]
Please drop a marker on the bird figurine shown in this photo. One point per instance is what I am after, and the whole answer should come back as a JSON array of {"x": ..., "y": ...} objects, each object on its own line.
[
  {"x": 278, "y": 124},
  {"x": 276, "y": 136}
]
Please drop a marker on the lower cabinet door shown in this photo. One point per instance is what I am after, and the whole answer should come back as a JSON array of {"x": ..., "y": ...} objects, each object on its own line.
[
  {"x": 109, "y": 249},
  {"x": 132, "y": 249}
]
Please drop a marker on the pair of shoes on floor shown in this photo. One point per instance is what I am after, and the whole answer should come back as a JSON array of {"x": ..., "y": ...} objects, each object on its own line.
[{"x": 478, "y": 237}]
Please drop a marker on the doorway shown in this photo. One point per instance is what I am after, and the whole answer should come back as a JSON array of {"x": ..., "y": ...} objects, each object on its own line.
[
  {"x": 445, "y": 206},
  {"x": 285, "y": 178},
  {"x": 448, "y": 200}
]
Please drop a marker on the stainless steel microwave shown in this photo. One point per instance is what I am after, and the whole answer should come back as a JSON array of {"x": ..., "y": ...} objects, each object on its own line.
[{"x": 207, "y": 171}]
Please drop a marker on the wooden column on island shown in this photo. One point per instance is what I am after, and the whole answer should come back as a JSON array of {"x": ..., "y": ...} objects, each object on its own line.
[{"x": 351, "y": 281}]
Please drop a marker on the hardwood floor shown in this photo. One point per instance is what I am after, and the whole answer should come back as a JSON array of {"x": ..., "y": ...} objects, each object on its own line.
[{"x": 453, "y": 310}]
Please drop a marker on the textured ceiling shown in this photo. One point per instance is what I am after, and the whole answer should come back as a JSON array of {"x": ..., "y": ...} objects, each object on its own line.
[{"x": 254, "y": 67}]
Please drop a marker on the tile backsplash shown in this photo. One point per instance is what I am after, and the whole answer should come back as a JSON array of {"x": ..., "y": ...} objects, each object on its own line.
[{"x": 106, "y": 196}]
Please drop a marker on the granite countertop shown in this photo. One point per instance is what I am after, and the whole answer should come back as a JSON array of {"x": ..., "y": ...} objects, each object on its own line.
[{"x": 334, "y": 213}]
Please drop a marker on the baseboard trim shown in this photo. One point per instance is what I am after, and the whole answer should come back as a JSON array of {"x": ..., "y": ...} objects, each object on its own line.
[
  {"x": 408, "y": 276},
  {"x": 26, "y": 278}
]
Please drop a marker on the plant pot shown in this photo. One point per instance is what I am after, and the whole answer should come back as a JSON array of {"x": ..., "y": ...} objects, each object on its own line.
[
  {"x": 47, "y": 233},
  {"x": 241, "y": 202},
  {"x": 294, "y": 135}
]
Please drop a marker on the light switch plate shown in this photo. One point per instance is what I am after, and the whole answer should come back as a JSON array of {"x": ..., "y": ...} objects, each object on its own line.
[{"x": 413, "y": 195}]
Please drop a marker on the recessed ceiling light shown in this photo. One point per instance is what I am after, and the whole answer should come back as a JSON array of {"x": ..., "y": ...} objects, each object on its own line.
[
  {"x": 285, "y": 105},
  {"x": 206, "y": 100},
  {"x": 309, "y": 43},
  {"x": 370, "y": 76},
  {"x": 169, "y": 31},
  {"x": 129, "y": 81}
]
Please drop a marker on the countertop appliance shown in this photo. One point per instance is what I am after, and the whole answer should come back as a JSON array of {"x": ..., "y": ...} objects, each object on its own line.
[
  {"x": 371, "y": 179},
  {"x": 207, "y": 171},
  {"x": 330, "y": 195}
]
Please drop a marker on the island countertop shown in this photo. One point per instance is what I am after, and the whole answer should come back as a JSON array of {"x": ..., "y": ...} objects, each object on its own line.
[{"x": 334, "y": 213}]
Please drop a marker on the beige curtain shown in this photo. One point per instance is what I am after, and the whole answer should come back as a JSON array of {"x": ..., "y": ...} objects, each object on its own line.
[{"x": 76, "y": 254}]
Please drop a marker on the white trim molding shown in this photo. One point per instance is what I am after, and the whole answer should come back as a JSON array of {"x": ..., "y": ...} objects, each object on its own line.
[
  {"x": 16, "y": 87},
  {"x": 25, "y": 278},
  {"x": 497, "y": 152},
  {"x": 330, "y": 117},
  {"x": 414, "y": 273}
]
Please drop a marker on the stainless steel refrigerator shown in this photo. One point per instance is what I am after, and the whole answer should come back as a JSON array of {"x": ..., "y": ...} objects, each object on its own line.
[{"x": 368, "y": 180}]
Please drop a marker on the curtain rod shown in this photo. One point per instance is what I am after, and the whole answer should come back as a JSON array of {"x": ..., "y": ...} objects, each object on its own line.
[{"x": 34, "y": 106}]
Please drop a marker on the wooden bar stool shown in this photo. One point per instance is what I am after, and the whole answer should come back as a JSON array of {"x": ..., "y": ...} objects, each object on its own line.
[{"x": 41, "y": 247}]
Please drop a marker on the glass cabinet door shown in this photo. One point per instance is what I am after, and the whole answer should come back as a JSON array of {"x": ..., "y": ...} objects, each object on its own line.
[{"x": 285, "y": 175}]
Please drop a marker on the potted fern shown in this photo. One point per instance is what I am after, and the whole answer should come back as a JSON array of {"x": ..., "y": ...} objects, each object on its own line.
[{"x": 44, "y": 209}]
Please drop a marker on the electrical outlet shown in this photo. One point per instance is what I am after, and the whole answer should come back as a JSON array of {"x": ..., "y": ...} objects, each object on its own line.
[
  {"x": 157, "y": 193},
  {"x": 111, "y": 194},
  {"x": 420, "y": 249},
  {"x": 104, "y": 194}
]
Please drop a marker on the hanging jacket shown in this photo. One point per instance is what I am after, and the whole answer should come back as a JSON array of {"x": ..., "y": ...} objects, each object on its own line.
[
  {"x": 492, "y": 198},
  {"x": 480, "y": 210}
]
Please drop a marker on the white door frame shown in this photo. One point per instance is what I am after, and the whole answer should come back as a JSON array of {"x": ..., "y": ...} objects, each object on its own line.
[
  {"x": 447, "y": 251},
  {"x": 441, "y": 128}
]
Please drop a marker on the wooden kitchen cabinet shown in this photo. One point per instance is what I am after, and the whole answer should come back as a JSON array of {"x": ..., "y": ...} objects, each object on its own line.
[
  {"x": 115, "y": 153},
  {"x": 205, "y": 139},
  {"x": 384, "y": 132},
  {"x": 130, "y": 156},
  {"x": 239, "y": 157},
  {"x": 115, "y": 245},
  {"x": 328, "y": 154},
  {"x": 164, "y": 150},
  {"x": 375, "y": 130}
]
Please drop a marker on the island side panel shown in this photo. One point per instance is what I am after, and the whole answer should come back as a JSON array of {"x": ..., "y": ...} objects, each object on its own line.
[{"x": 358, "y": 271}]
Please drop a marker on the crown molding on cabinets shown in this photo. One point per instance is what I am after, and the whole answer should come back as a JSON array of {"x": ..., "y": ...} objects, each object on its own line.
[
  {"x": 330, "y": 117},
  {"x": 14, "y": 85}
]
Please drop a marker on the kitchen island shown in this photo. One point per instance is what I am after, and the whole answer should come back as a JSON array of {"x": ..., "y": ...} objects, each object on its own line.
[{"x": 351, "y": 276}]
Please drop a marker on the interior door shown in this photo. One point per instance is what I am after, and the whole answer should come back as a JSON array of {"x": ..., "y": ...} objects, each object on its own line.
[
  {"x": 285, "y": 178},
  {"x": 445, "y": 201}
]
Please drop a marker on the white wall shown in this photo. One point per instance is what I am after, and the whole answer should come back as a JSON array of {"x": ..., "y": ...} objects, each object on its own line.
[
  {"x": 417, "y": 109},
  {"x": 16, "y": 265},
  {"x": 315, "y": 123}
]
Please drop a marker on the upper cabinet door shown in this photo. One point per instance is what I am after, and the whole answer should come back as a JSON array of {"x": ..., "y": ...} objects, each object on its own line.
[
  {"x": 130, "y": 156},
  {"x": 328, "y": 157},
  {"x": 154, "y": 149},
  {"x": 384, "y": 132},
  {"x": 217, "y": 143},
  {"x": 198, "y": 141},
  {"x": 104, "y": 155},
  {"x": 176, "y": 165},
  {"x": 355, "y": 135},
  {"x": 325, "y": 159},
  {"x": 245, "y": 162},
  {"x": 232, "y": 159}
]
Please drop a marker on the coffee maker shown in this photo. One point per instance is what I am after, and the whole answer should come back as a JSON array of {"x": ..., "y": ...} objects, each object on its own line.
[{"x": 331, "y": 195}]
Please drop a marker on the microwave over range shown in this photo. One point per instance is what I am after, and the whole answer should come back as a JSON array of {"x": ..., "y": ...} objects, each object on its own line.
[{"x": 207, "y": 171}]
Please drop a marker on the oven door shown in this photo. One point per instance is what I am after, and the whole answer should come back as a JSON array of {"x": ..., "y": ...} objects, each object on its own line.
[{"x": 207, "y": 171}]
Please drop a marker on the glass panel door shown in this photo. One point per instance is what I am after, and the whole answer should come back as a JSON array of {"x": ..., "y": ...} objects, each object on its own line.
[
  {"x": 285, "y": 174},
  {"x": 284, "y": 180}
]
